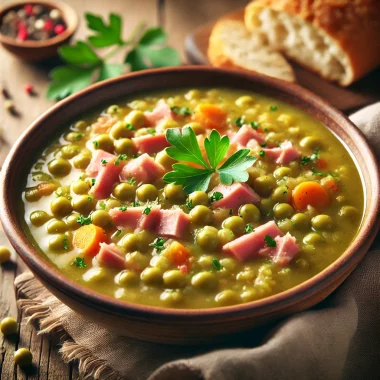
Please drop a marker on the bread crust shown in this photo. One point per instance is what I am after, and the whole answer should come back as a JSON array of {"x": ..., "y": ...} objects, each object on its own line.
[{"x": 353, "y": 24}]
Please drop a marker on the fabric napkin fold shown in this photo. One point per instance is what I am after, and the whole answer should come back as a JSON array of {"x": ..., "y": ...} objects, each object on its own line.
[{"x": 337, "y": 339}]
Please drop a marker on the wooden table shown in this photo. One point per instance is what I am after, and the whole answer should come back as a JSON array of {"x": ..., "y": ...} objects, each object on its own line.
[{"x": 177, "y": 17}]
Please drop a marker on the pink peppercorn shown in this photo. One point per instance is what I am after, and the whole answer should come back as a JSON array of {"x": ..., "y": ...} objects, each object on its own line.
[
  {"x": 29, "y": 88},
  {"x": 58, "y": 29},
  {"x": 22, "y": 34},
  {"x": 28, "y": 9},
  {"x": 49, "y": 25}
]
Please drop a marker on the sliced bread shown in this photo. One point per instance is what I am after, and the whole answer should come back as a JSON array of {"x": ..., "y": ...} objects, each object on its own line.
[{"x": 232, "y": 46}]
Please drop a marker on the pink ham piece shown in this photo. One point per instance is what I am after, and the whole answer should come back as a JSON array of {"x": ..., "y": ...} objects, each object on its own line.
[
  {"x": 151, "y": 220},
  {"x": 248, "y": 246},
  {"x": 144, "y": 169},
  {"x": 96, "y": 162},
  {"x": 173, "y": 223},
  {"x": 284, "y": 154},
  {"x": 103, "y": 124},
  {"x": 234, "y": 195},
  {"x": 108, "y": 175},
  {"x": 245, "y": 134},
  {"x": 284, "y": 251},
  {"x": 150, "y": 144},
  {"x": 161, "y": 111},
  {"x": 134, "y": 217},
  {"x": 110, "y": 256}
]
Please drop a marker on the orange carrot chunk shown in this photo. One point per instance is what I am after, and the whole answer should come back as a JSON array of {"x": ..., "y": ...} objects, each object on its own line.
[
  {"x": 177, "y": 253},
  {"x": 210, "y": 116},
  {"x": 87, "y": 239},
  {"x": 310, "y": 193},
  {"x": 46, "y": 188}
]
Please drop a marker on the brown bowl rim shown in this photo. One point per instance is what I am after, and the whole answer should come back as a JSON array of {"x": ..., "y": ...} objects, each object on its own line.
[
  {"x": 63, "y": 284},
  {"x": 68, "y": 13}
]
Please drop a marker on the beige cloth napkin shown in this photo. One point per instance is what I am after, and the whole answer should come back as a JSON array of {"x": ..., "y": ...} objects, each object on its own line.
[{"x": 337, "y": 339}]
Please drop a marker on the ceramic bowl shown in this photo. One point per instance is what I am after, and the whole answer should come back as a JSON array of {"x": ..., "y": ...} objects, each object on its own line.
[
  {"x": 35, "y": 51},
  {"x": 175, "y": 325}
]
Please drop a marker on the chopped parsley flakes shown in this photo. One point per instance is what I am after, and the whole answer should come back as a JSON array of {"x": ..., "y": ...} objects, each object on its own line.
[
  {"x": 158, "y": 244},
  {"x": 217, "y": 265},
  {"x": 79, "y": 262},
  {"x": 183, "y": 111},
  {"x": 65, "y": 243},
  {"x": 248, "y": 228},
  {"x": 307, "y": 160},
  {"x": 273, "y": 108},
  {"x": 102, "y": 205},
  {"x": 131, "y": 180},
  {"x": 83, "y": 221},
  {"x": 147, "y": 209},
  {"x": 96, "y": 144},
  {"x": 104, "y": 162},
  {"x": 254, "y": 124},
  {"x": 120, "y": 157},
  {"x": 262, "y": 153},
  {"x": 189, "y": 204},
  {"x": 123, "y": 208},
  {"x": 151, "y": 131},
  {"x": 270, "y": 241},
  {"x": 117, "y": 233},
  {"x": 130, "y": 127},
  {"x": 240, "y": 121},
  {"x": 216, "y": 196}
]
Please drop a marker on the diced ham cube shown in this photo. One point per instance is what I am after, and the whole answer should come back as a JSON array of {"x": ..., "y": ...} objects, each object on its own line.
[
  {"x": 110, "y": 256},
  {"x": 248, "y": 246},
  {"x": 127, "y": 218},
  {"x": 96, "y": 161},
  {"x": 284, "y": 251},
  {"x": 108, "y": 175},
  {"x": 144, "y": 169},
  {"x": 151, "y": 220},
  {"x": 150, "y": 144},
  {"x": 284, "y": 154},
  {"x": 103, "y": 124},
  {"x": 161, "y": 111},
  {"x": 245, "y": 134},
  {"x": 173, "y": 223},
  {"x": 235, "y": 195}
]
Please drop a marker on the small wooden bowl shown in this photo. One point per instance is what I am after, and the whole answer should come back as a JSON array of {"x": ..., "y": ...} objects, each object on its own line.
[
  {"x": 35, "y": 51},
  {"x": 176, "y": 325}
]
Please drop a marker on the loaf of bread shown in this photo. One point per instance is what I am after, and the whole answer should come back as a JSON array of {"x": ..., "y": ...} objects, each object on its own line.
[
  {"x": 339, "y": 39},
  {"x": 232, "y": 46}
]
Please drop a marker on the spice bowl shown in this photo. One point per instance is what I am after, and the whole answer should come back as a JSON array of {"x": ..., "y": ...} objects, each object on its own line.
[{"x": 39, "y": 50}]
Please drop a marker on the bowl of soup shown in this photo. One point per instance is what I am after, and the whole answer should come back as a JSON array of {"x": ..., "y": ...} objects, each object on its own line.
[{"x": 183, "y": 205}]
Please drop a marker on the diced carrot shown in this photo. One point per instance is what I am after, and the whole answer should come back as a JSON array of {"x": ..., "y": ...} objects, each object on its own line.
[
  {"x": 329, "y": 184},
  {"x": 321, "y": 163},
  {"x": 310, "y": 193},
  {"x": 210, "y": 116},
  {"x": 178, "y": 253},
  {"x": 46, "y": 188},
  {"x": 87, "y": 239}
]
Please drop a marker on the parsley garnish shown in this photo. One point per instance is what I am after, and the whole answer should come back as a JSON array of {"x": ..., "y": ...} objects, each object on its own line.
[
  {"x": 65, "y": 243},
  {"x": 151, "y": 131},
  {"x": 93, "y": 180},
  {"x": 307, "y": 160},
  {"x": 147, "y": 209},
  {"x": 123, "y": 208},
  {"x": 216, "y": 196},
  {"x": 135, "y": 204},
  {"x": 262, "y": 153},
  {"x": 118, "y": 232},
  {"x": 130, "y": 127},
  {"x": 217, "y": 265},
  {"x": 254, "y": 124},
  {"x": 273, "y": 108},
  {"x": 270, "y": 241},
  {"x": 78, "y": 136},
  {"x": 248, "y": 228},
  {"x": 79, "y": 262},
  {"x": 104, "y": 162},
  {"x": 263, "y": 145},
  {"x": 184, "y": 111},
  {"x": 158, "y": 244},
  {"x": 96, "y": 143},
  {"x": 82, "y": 220},
  {"x": 120, "y": 157},
  {"x": 102, "y": 205},
  {"x": 185, "y": 148},
  {"x": 323, "y": 174},
  {"x": 189, "y": 204},
  {"x": 131, "y": 180},
  {"x": 90, "y": 198},
  {"x": 240, "y": 121}
]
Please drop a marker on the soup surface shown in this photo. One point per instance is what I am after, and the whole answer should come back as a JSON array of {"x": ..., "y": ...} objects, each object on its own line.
[{"x": 241, "y": 217}]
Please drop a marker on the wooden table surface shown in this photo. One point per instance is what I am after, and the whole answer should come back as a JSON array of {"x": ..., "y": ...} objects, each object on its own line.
[{"x": 178, "y": 18}]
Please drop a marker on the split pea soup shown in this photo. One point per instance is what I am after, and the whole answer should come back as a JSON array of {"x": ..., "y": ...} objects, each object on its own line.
[{"x": 193, "y": 198}]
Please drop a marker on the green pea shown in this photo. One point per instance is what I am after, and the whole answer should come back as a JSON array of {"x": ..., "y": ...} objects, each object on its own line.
[
  {"x": 38, "y": 218},
  {"x": 151, "y": 276},
  {"x": 236, "y": 224},
  {"x": 285, "y": 225},
  {"x": 161, "y": 262},
  {"x": 81, "y": 125},
  {"x": 282, "y": 172},
  {"x": 228, "y": 263},
  {"x": 205, "y": 281},
  {"x": 283, "y": 210},
  {"x": 70, "y": 151},
  {"x": 201, "y": 215},
  {"x": 124, "y": 192},
  {"x": 197, "y": 128},
  {"x": 113, "y": 110},
  {"x": 207, "y": 238},
  {"x": 5, "y": 254},
  {"x": 312, "y": 238},
  {"x": 174, "y": 193},
  {"x": 219, "y": 215},
  {"x": 225, "y": 235},
  {"x": 281, "y": 194},
  {"x": 81, "y": 161},
  {"x": 136, "y": 260},
  {"x": 250, "y": 294},
  {"x": 108, "y": 204},
  {"x": 175, "y": 279},
  {"x": 72, "y": 137},
  {"x": 244, "y": 101},
  {"x": 83, "y": 204},
  {"x": 144, "y": 239},
  {"x": 193, "y": 95},
  {"x": 206, "y": 262},
  {"x": 266, "y": 206},
  {"x": 125, "y": 146},
  {"x": 59, "y": 242},
  {"x": 349, "y": 212},
  {"x": 129, "y": 242},
  {"x": 147, "y": 192},
  {"x": 59, "y": 167},
  {"x": 119, "y": 130},
  {"x": 227, "y": 297},
  {"x": 198, "y": 198},
  {"x": 60, "y": 207},
  {"x": 171, "y": 297},
  {"x": 167, "y": 124},
  {"x": 302, "y": 263},
  {"x": 56, "y": 226},
  {"x": 127, "y": 278},
  {"x": 264, "y": 185},
  {"x": 322, "y": 222},
  {"x": 311, "y": 142},
  {"x": 136, "y": 118},
  {"x": 245, "y": 275},
  {"x": 72, "y": 222},
  {"x": 164, "y": 159},
  {"x": 80, "y": 187},
  {"x": 23, "y": 357},
  {"x": 63, "y": 191},
  {"x": 300, "y": 221},
  {"x": 9, "y": 326},
  {"x": 32, "y": 194},
  {"x": 101, "y": 218},
  {"x": 249, "y": 213}
]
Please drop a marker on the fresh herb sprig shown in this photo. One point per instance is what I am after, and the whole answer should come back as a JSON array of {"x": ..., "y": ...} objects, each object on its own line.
[
  {"x": 185, "y": 148},
  {"x": 305, "y": 160},
  {"x": 79, "y": 262},
  {"x": 83, "y": 65}
]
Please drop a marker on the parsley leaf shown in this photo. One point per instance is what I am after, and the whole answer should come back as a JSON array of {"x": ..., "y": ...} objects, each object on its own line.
[
  {"x": 110, "y": 70},
  {"x": 183, "y": 111},
  {"x": 117, "y": 233},
  {"x": 151, "y": 131},
  {"x": 79, "y": 262},
  {"x": 135, "y": 204},
  {"x": 65, "y": 243},
  {"x": 216, "y": 196},
  {"x": 307, "y": 160},
  {"x": 240, "y": 121},
  {"x": 147, "y": 209},
  {"x": 235, "y": 168},
  {"x": 216, "y": 147},
  {"x": 217, "y": 265},
  {"x": 120, "y": 157},
  {"x": 270, "y": 241},
  {"x": 106, "y": 35},
  {"x": 82, "y": 220},
  {"x": 123, "y": 208},
  {"x": 79, "y": 54},
  {"x": 189, "y": 204},
  {"x": 255, "y": 124},
  {"x": 248, "y": 228},
  {"x": 130, "y": 127},
  {"x": 158, "y": 244},
  {"x": 104, "y": 162},
  {"x": 102, "y": 205},
  {"x": 131, "y": 180},
  {"x": 273, "y": 108},
  {"x": 262, "y": 153}
]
